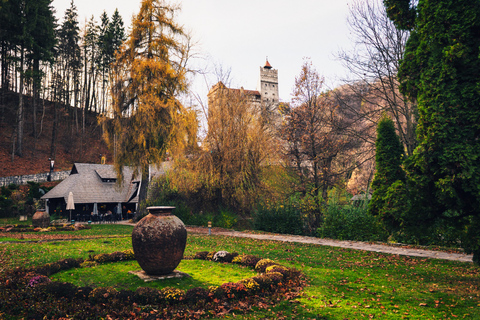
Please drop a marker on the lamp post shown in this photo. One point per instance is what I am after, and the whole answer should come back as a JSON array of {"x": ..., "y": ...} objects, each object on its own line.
[{"x": 52, "y": 163}]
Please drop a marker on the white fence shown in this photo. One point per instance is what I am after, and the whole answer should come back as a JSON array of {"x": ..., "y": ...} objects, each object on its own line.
[{"x": 39, "y": 177}]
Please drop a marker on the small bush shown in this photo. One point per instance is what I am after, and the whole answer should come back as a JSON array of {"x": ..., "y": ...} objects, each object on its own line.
[
  {"x": 275, "y": 277},
  {"x": 351, "y": 223},
  {"x": 251, "y": 286},
  {"x": 223, "y": 256},
  {"x": 202, "y": 255},
  {"x": 264, "y": 282},
  {"x": 196, "y": 295},
  {"x": 285, "y": 219},
  {"x": 147, "y": 295},
  {"x": 238, "y": 259},
  {"x": 37, "y": 280},
  {"x": 263, "y": 264},
  {"x": 61, "y": 289},
  {"x": 250, "y": 260},
  {"x": 234, "y": 289},
  {"x": 102, "y": 295},
  {"x": 173, "y": 295},
  {"x": 210, "y": 255},
  {"x": 280, "y": 269},
  {"x": 83, "y": 293}
]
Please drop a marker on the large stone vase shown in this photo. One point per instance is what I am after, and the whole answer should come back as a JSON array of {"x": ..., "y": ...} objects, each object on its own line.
[
  {"x": 41, "y": 219},
  {"x": 159, "y": 241}
]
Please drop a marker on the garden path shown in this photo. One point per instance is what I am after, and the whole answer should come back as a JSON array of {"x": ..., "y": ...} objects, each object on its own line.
[{"x": 356, "y": 245}]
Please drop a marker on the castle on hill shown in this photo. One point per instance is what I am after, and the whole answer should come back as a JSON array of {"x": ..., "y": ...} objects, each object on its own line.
[{"x": 265, "y": 98}]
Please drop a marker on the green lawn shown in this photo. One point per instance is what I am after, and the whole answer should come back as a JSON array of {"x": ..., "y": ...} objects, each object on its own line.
[{"x": 342, "y": 283}]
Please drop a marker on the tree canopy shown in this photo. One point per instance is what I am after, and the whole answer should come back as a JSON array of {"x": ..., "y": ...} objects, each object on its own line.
[
  {"x": 146, "y": 81},
  {"x": 441, "y": 70}
]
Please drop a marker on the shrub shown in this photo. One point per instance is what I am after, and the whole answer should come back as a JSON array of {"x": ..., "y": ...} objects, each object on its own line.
[
  {"x": 173, "y": 295},
  {"x": 102, "y": 257},
  {"x": 251, "y": 286},
  {"x": 264, "y": 282},
  {"x": 223, "y": 256},
  {"x": 351, "y": 223},
  {"x": 147, "y": 295},
  {"x": 284, "y": 219},
  {"x": 238, "y": 259},
  {"x": 126, "y": 296},
  {"x": 54, "y": 267},
  {"x": 83, "y": 293},
  {"x": 202, "y": 255},
  {"x": 61, "y": 289},
  {"x": 263, "y": 264},
  {"x": 196, "y": 295},
  {"x": 210, "y": 255},
  {"x": 37, "y": 280},
  {"x": 275, "y": 277},
  {"x": 280, "y": 269},
  {"x": 129, "y": 255},
  {"x": 250, "y": 260},
  {"x": 102, "y": 295},
  {"x": 225, "y": 219},
  {"x": 233, "y": 289}
]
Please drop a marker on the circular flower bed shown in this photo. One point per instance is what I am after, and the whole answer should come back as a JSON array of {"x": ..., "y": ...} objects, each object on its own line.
[
  {"x": 29, "y": 293},
  {"x": 26, "y": 228}
]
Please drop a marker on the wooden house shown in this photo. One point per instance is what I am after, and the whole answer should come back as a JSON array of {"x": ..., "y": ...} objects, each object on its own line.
[{"x": 95, "y": 193}]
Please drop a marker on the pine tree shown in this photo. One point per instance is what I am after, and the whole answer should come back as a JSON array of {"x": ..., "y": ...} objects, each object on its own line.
[
  {"x": 69, "y": 51},
  {"x": 146, "y": 80},
  {"x": 388, "y": 160},
  {"x": 441, "y": 69}
]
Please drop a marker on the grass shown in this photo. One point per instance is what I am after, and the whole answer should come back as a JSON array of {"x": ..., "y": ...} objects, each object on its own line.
[
  {"x": 342, "y": 283},
  {"x": 203, "y": 274}
]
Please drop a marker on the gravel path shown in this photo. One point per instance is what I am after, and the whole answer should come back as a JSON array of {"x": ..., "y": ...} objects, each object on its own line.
[{"x": 356, "y": 245}]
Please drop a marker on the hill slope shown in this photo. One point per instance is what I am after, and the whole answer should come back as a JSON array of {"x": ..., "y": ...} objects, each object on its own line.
[{"x": 70, "y": 145}]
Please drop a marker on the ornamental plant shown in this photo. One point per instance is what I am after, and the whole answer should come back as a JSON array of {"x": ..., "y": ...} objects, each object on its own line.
[
  {"x": 86, "y": 302},
  {"x": 263, "y": 264},
  {"x": 33, "y": 282},
  {"x": 388, "y": 160}
]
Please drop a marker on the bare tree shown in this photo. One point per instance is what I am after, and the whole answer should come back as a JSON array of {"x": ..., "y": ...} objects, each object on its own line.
[
  {"x": 373, "y": 65},
  {"x": 315, "y": 132}
]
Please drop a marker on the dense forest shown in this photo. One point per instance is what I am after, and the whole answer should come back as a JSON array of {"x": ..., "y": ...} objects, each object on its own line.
[{"x": 54, "y": 82}]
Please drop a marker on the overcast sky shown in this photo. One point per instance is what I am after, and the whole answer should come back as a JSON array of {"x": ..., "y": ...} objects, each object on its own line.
[{"x": 239, "y": 35}]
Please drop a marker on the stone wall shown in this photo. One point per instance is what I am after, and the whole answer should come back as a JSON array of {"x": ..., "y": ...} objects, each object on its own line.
[{"x": 40, "y": 177}]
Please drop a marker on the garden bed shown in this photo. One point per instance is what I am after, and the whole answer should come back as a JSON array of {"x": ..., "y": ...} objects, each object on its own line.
[
  {"x": 29, "y": 228},
  {"x": 30, "y": 293}
]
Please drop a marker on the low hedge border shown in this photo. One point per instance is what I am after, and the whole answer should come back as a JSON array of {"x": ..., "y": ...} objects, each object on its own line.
[
  {"x": 29, "y": 293},
  {"x": 23, "y": 228}
]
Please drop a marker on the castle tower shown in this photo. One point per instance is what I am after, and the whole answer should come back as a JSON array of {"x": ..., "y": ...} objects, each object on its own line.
[{"x": 268, "y": 85}]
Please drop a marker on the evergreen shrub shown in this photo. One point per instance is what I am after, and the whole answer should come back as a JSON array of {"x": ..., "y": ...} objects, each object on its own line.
[
  {"x": 285, "y": 219},
  {"x": 351, "y": 223}
]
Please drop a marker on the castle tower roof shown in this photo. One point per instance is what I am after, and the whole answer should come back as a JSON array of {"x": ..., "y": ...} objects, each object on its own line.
[{"x": 267, "y": 65}]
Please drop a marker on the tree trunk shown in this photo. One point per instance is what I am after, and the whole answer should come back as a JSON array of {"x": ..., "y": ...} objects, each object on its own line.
[
  {"x": 20, "y": 115},
  {"x": 55, "y": 120},
  {"x": 142, "y": 193}
]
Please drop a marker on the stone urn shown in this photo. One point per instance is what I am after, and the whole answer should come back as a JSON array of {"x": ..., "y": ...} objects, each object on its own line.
[
  {"x": 41, "y": 219},
  {"x": 159, "y": 241}
]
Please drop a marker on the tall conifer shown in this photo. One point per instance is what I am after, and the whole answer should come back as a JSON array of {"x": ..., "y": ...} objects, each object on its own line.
[
  {"x": 388, "y": 160},
  {"x": 441, "y": 69},
  {"x": 146, "y": 80}
]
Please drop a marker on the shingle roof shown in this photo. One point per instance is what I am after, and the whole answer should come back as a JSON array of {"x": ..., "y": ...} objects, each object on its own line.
[{"x": 85, "y": 182}]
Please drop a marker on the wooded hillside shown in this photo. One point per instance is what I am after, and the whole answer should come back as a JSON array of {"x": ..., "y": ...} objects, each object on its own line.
[{"x": 68, "y": 147}]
